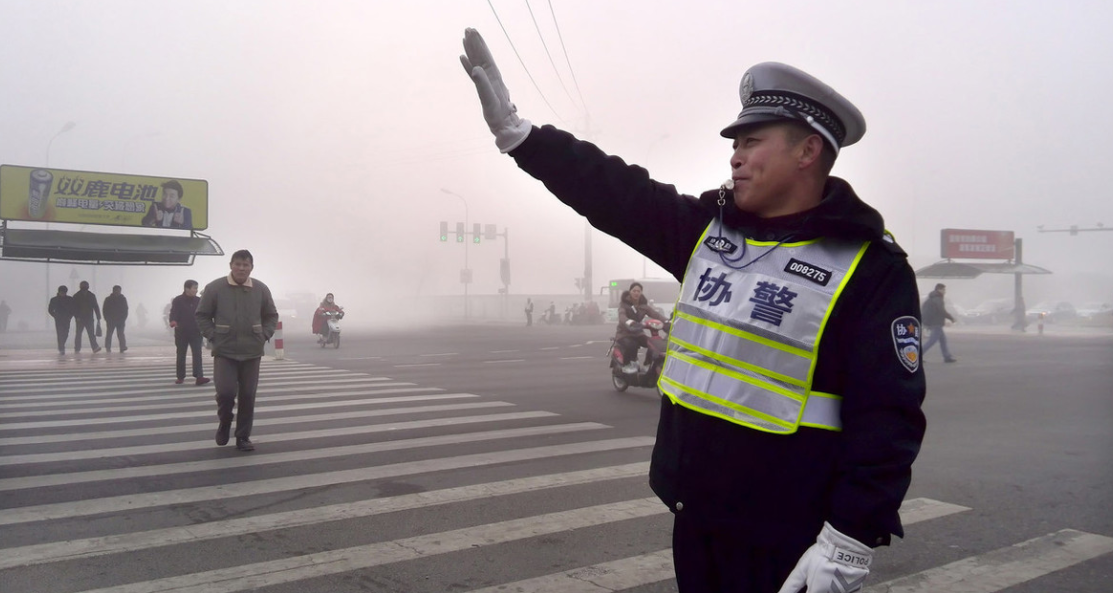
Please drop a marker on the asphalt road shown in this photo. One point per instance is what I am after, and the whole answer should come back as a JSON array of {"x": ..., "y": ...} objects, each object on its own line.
[{"x": 98, "y": 452}]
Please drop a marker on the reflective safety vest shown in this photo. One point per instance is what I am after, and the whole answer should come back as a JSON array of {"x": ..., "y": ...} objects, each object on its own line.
[{"x": 743, "y": 341}]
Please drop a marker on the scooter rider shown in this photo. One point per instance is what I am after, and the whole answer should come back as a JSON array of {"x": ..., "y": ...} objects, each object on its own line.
[
  {"x": 320, "y": 325},
  {"x": 793, "y": 385},
  {"x": 630, "y": 336}
]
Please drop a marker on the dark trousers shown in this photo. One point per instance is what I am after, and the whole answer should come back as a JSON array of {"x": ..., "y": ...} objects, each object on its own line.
[
  {"x": 63, "y": 329},
  {"x": 711, "y": 559},
  {"x": 118, "y": 327},
  {"x": 88, "y": 325},
  {"x": 236, "y": 379},
  {"x": 193, "y": 343}
]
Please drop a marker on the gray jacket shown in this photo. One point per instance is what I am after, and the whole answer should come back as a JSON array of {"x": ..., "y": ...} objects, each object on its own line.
[{"x": 237, "y": 319}]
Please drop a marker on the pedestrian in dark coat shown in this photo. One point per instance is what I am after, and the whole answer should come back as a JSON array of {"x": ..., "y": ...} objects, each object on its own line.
[
  {"x": 237, "y": 314},
  {"x": 935, "y": 317},
  {"x": 187, "y": 334},
  {"x": 115, "y": 315},
  {"x": 62, "y": 308},
  {"x": 86, "y": 307}
]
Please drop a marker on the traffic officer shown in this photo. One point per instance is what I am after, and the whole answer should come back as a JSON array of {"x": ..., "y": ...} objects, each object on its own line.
[{"x": 793, "y": 382}]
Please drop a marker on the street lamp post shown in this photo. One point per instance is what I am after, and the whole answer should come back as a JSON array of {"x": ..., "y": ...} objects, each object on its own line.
[
  {"x": 46, "y": 267},
  {"x": 466, "y": 223}
]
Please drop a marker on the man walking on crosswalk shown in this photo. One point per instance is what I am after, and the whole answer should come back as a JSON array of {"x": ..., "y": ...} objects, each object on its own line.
[{"x": 237, "y": 314}]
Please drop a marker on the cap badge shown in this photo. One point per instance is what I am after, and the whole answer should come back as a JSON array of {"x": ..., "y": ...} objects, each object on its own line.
[{"x": 747, "y": 87}]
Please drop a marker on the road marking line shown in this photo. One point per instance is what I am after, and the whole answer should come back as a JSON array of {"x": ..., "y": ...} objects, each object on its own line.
[
  {"x": 286, "y": 408},
  {"x": 502, "y": 351},
  {"x": 440, "y": 354},
  {"x": 502, "y": 361},
  {"x": 131, "y": 502},
  {"x": 159, "y": 377},
  {"x": 419, "y": 364},
  {"x": 655, "y": 567},
  {"x": 202, "y": 397},
  {"x": 579, "y": 357},
  {"x": 207, "y": 427},
  {"x": 271, "y": 438},
  {"x": 1005, "y": 567},
  {"x": 114, "y": 544},
  {"x": 187, "y": 467},
  {"x": 551, "y": 348},
  {"x": 287, "y": 570}
]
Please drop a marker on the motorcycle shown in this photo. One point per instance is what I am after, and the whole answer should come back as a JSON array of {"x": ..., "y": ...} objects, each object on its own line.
[
  {"x": 331, "y": 333},
  {"x": 643, "y": 374}
]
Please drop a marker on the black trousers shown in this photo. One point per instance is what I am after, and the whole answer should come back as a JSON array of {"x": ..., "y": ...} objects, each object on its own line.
[
  {"x": 118, "y": 327},
  {"x": 192, "y": 343},
  {"x": 63, "y": 330},
  {"x": 236, "y": 381},
  {"x": 90, "y": 326},
  {"x": 710, "y": 558}
]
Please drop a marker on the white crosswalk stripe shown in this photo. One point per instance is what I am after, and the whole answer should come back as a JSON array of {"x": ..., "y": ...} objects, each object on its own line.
[{"x": 104, "y": 465}]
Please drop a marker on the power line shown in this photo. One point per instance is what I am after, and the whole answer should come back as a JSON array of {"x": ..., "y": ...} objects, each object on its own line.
[
  {"x": 568, "y": 61},
  {"x": 537, "y": 28},
  {"x": 522, "y": 62}
]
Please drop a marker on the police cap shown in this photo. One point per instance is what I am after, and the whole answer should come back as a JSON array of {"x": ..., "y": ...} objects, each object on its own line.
[{"x": 772, "y": 91}]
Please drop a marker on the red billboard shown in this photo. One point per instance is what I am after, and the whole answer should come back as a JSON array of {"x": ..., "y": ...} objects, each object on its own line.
[{"x": 970, "y": 244}]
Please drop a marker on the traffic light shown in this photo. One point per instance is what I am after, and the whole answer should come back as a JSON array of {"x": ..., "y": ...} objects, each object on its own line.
[
  {"x": 444, "y": 231},
  {"x": 475, "y": 232},
  {"x": 459, "y": 232}
]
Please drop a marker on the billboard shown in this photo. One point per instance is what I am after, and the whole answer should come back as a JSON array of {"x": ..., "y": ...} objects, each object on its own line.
[
  {"x": 42, "y": 194},
  {"x": 971, "y": 244}
]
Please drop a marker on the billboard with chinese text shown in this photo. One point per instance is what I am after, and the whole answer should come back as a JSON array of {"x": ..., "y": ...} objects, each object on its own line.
[
  {"x": 42, "y": 194},
  {"x": 971, "y": 244}
]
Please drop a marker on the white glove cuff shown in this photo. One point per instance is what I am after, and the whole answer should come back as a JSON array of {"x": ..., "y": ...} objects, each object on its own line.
[
  {"x": 844, "y": 549},
  {"x": 511, "y": 136}
]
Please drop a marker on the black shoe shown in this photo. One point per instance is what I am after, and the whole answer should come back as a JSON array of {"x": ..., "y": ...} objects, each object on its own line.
[
  {"x": 952, "y": 359},
  {"x": 222, "y": 434},
  {"x": 244, "y": 444},
  {"x": 123, "y": 350},
  {"x": 97, "y": 349}
]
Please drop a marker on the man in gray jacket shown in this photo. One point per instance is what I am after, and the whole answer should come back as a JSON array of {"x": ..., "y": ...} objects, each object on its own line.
[{"x": 237, "y": 314}]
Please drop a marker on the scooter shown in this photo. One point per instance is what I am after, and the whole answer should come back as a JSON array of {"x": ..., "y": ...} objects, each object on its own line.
[
  {"x": 332, "y": 328},
  {"x": 646, "y": 373}
]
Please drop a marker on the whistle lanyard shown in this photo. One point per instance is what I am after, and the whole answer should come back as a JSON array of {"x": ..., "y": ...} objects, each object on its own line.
[{"x": 732, "y": 262}]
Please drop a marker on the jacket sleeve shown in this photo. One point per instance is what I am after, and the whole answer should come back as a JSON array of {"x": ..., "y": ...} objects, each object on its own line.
[
  {"x": 206, "y": 312},
  {"x": 618, "y": 199},
  {"x": 269, "y": 314},
  {"x": 883, "y": 424}
]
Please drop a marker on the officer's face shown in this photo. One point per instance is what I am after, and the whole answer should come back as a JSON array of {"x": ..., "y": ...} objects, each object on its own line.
[{"x": 764, "y": 169}]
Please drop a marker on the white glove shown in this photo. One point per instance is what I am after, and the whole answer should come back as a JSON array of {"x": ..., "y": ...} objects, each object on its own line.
[
  {"x": 501, "y": 115},
  {"x": 835, "y": 563}
]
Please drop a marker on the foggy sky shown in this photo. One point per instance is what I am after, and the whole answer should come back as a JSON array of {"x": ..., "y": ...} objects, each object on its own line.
[{"x": 327, "y": 130}]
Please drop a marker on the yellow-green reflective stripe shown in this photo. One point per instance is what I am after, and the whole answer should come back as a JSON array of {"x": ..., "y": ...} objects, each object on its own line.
[
  {"x": 738, "y": 363},
  {"x": 738, "y": 376},
  {"x": 721, "y": 403},
  {"x": 835, "y": 299},
  {"x": 745, "y": 335},
  {"x": 822, "y": 410}
]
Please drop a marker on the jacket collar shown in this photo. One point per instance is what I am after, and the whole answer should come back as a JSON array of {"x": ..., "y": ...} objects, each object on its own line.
[
  {"x": 234, "y": 283},
  {"x": 840, "y": 214}
]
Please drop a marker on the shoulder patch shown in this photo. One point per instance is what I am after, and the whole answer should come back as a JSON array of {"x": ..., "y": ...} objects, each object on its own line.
[
  {"x": 906, "y": 339},
  {"x": 890, "y": 244}
]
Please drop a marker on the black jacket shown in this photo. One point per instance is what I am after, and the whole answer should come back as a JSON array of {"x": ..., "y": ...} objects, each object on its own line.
[
  {"x": 85, "y": 305},
  {"x": 768, "y": 488},
  {"x": 115, "y": 308},
  {"x": 183, "y": 311},
  {"x": 62, "y": 308},
  {"x": 935, "y": 310}
]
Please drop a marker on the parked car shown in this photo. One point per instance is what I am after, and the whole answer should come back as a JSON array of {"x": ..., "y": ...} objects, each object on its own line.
[
  {"x": 1053, "y": 311},
  {"x": 991, "y": 312},
  {"x": 1092, "y": 311}
]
